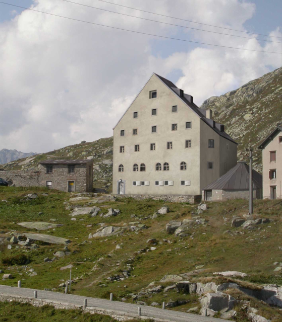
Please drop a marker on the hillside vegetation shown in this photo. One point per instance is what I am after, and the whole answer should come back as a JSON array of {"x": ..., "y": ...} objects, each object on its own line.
[{"x": 127, "y": 247}]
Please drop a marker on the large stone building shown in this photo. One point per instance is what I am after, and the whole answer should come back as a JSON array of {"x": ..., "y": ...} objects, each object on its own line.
[
  {"x": 272, "y": 164},
  {"x": 165, "y": 145},
  {"x": 67, "y": 175},
  {"x": 64, "y": 175}
]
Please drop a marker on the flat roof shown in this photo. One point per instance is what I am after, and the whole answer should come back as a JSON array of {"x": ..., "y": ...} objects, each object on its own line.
[{"x": 67, "y": 162}]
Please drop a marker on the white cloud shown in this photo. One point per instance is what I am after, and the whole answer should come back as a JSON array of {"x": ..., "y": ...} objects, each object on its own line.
[{"x": 63, "y": 81}]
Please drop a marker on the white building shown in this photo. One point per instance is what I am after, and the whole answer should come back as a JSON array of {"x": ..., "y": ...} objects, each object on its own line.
[{"x": 165, "y": 145}]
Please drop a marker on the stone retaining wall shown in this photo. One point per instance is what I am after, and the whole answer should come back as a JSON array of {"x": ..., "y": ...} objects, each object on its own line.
[
  {"x": 21, "y": 178},
  {"x": 170, "y": 198}
]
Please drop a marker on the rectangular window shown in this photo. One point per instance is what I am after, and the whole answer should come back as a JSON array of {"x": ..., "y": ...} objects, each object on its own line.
[
  {"x": 182, "y": 183},
  {"x": 272, "y": 156},
  {"x": 173, "y": 127},
  {"x": 169, "y": 145},
  {"x": 49, "y": 168},
  {"x": 156, "y": 183},
  {"x": 134, "y": 131},
  {"x": 71, "y": 168},
  {"x": 154, "y": 129},
  {"x": 272, "y": 174},
  {"x": 188, "y": 144},
  {"x": 153, "y": 94},
  {"x": 142, "y": 183},
  {"x": 280, "y": 139},
  {"x": 166, "y": 183},
  {"x": 188, "y": 125},
  {"x": 121, "y": 132},
  {"x": 211, "y": 143},
  {"x": 154, "y": 111},
  {"x": 134, "y": 183},
  {"x": 136, "y": 148},
  {"x": 174, "y": 109},
  {"x": 121, "y": 149},
  {"x": 210, "y": 165},
  {"x": 152, "y": 146},
  {"x": 135, "y": 115}
]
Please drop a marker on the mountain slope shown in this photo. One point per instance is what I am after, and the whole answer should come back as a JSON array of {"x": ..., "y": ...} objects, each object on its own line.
[
  {"x": 12, "y": 155},
  {"x": 251, "y": 112}
]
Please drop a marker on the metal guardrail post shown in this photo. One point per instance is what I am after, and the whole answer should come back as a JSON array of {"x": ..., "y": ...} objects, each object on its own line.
[
  {"x": 163, "y": 306},
  {"x": 19, "y": 284},
  {"x": 85, "y": 304},
  {"x": 139, "y": 310},
  {"x": 35, "y": 294},
  {"x": 111, "y": 296}
]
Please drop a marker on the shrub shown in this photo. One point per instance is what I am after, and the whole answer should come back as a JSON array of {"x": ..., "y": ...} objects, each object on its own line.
[{"x": 20, "y": 259}]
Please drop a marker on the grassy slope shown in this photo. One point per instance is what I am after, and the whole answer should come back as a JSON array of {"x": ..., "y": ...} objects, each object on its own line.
[{"x": 94, "y": 260}]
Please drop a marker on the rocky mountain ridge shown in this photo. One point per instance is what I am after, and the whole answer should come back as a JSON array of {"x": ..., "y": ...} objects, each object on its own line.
[
  {"x": 12, "y": 155},
  {"x": 250, "y": 113}
]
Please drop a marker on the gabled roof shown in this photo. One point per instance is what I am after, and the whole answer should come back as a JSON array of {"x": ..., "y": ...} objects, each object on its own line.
[
  {"x": 270, "y": 137},
  {"x": 188, "y": 100},
  {"x": 236, "y": 179}
]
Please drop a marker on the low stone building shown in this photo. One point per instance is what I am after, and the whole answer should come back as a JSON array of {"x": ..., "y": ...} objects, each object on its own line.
[
  {"x": 64, "y": 175},
  {"x": 234, "y": 185},
  {"x": 67, "y": 175}
]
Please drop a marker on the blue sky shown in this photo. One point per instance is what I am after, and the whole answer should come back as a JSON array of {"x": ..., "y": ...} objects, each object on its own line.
[{"x": 73, "y": 81}]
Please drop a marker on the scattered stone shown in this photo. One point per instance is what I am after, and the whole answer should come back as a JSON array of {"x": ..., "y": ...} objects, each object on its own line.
[
  {"x": 47, "y": 259},
  {"x": 155, "y": 304},
  {"x": 152, "y": 241},
  {"x": 79, "y": 199},
  {"x": 95, "y": 211},
  {"x": 66, "y": 267},
  {"x": 13, "y": 240},
  {"x": 39, "y": 225},
  {"x": 47, "y": 238},
  {"x": 7, "y": 276},
  {"x": 153, "y": 248},
  {"x": 155, "y": 216},
  {"x": 171, "y": 278},
  {"x": 172, "y": 226},
  {"x": 31, "y": 196},
  {"x": 182, "y": 231},
  {"x": 81, "y": 211},
  {"x": 277, "y": 269},
  {"x": 163, "y": 211},
  {"x": 60, "y": 254},
  {"x": 107, "y": 231},
  {"x": 112, "y": 212},
  {"x": 73, "y": 219},
  {"x": 193, "y": 309},
  {"x": 168, "y": 288},
  {"x": 237, "y": 222},
  {"x": 9, "y": 246},
  {"x": 254, "y": 317},
  {"x": 231, "y": 273},
  {"x": 141, "y": 303},
  {"x": 203, "y": 207}
]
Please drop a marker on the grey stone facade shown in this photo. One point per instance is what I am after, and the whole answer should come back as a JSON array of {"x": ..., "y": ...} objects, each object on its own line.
[{"x": 71, "y": 175}]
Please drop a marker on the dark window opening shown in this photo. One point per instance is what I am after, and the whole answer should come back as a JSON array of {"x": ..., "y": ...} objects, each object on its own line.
[
  {"x": 120, "y": 168},
  {"x": 188, "y": 125},
  {"x": 121, "y": 132},
  {"x": 174, "y": 108},
  {"x": 154, "y": 111},
  {"x": 188, "y": 144},
  {"x": 152, "y": 146},
  {"x": 166, "y": 166},
  {"x": 174, "y": 127},
  {"x": 158, "y": 167},
  {"x": 49, "y": 169},
  {"x": 210, "y": 165},
  {"x": 154, "y": 129},
  {"x": 211, "y": 143},
  {"x": 142, "y": 167},
  {"x": 135, "y": 115},
  {"x": 169, "y": 145},
  {"x": 134, "y": 131},
  {"x": 71, "y": 168},
  {"x": 153, "y": 94},
  {"x": 136, "y": 148}
]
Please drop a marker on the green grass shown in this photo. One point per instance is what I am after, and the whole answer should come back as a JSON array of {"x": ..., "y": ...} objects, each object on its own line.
[{"x": 217, "y": 246}]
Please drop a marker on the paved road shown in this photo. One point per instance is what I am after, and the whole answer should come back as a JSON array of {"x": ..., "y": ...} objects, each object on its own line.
[{"x": 113, "y": 307}]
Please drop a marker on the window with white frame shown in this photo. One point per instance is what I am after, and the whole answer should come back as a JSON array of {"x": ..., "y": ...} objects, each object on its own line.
[
  {"x": 121, "y": 149},
  {"x": 120, "y": 168},
  {"x": 188, "y": 144},
  {"x": 188, "y": 125}
]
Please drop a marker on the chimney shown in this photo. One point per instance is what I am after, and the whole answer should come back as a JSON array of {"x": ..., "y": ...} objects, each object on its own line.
[
  {"x": 181, "y": 92},
  {"x": 209, "y": 113},
  {"x": 213, "y": 123},
  {"x": 221, "y": 128}
]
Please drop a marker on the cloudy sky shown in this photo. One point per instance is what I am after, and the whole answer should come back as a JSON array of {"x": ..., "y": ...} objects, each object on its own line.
[{"x": 64, "y": 81}]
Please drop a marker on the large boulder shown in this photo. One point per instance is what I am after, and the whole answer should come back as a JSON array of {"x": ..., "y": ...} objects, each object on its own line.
[
  {"x": 95, "y": 211},
  {"x": 171, "y": 279},
  {"x": 206, "y": 288},
  {"x": 47, "y": 239},
  {"x": 231, "y": 274},
  {"x": 107, "y": 231},
  {"x": 217, "y": 301},
  {"x": 172, "y": 226},
  {"x": 164, "y": 210},
  {"x": 182, "y": 231},
  {"x": 39, "y": 225},
  {"x": 111, "y": 213},
  {"x": 237, "y": 222},
  {"x": 81, "y": 211}
]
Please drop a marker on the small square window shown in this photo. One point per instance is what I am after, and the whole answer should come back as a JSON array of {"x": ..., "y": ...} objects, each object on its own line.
[
  {"x": 134, "y": 183},
  {"x": 174, "y": 109},
  {"x": 156, "y": 183},
  {"x": 154, "y": 129},
  {"x": 153, "y": 94},
  {"x": 210, "y": 165},
  {"x": 121, "y": 149},
  {"x": 188, "y": 125},
  {"x": 174, "y": 127},
  {"x": 136, "y": 148},
  {"x": 142, "y": 183},
  {"x": 188, "y": 144},
  {"x": 135, "y": 115},
  {"x": 49, "y": 169},
  {"x": 166, "y": 183},
  {"x": 134, "y": 131},
  {"x": 71, "y": 168},
  {"x": 121, "y": 132},
  {"x": 169, "y": 145},
  {"x": 182, "y": 183},
  {"x": 152, "y": 146},
  {"x": 211, "y": 143},
  {"x": 154, "y": 111}
]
